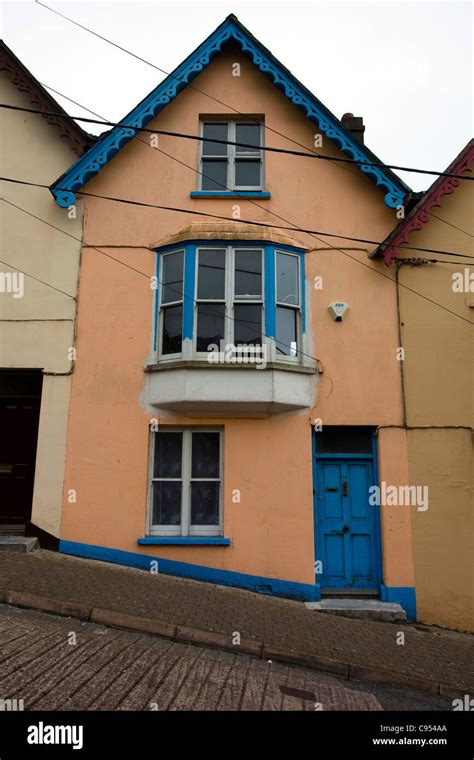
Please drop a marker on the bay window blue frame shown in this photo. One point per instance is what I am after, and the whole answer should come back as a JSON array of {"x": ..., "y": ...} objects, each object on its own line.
[{"x": 269, "y": 281}]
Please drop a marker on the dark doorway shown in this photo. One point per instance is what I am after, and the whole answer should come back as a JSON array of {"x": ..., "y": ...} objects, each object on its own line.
[{"x": 20, "y": 400}]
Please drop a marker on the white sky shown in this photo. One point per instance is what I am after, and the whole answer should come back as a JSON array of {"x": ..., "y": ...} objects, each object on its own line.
[{"x": 406, "y": 67}]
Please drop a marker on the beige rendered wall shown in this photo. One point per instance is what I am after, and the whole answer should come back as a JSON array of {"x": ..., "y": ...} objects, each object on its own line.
[
  {"x": 269, "y": 460},
  {"x": 438, "y": 372},
  {"x": 37, "y": 331}
]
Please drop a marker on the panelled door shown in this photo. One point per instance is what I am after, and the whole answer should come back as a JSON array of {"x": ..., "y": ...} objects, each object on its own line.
[{"x": 346, "y": 525}]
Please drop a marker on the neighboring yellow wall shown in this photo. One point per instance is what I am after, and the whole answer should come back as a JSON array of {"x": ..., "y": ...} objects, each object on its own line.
[
  {"x": 269, "y": 460},
  {"x": 443, "y": 537},
  {"x": 38, "y": 329},
  {"x": 438, "y": 372}
]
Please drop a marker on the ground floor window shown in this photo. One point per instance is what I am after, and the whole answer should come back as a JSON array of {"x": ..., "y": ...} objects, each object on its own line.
[{"x": 186, "y": 483}]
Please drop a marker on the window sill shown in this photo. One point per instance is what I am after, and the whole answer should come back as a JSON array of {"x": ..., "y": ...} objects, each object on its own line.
[
  {"x": 229, "y": 194},
  {"x": 183, "y": 541},
  {"x": 188, "y": 387},
  {"x": 163, "y": 365}
]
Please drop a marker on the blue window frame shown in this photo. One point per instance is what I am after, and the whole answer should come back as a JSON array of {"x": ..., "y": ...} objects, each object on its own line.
[{"x": 222, "y": 292}]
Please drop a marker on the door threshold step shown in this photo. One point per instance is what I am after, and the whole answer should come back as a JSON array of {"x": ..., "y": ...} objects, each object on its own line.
[
  {"x": 365, "y": 609},
  {"x": 18, "y": 543},
  {"x": 7, "y": 529}
]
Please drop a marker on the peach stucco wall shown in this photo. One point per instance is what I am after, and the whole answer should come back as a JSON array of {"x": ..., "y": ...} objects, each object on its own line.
[{"x": 268, "y": 460}]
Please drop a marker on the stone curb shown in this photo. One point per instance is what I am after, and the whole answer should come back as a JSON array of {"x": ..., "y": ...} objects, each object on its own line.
[
  {"x": 188, "y": 635},
  {"x": 46, "y": 604},
  {"x": 198, "y": 636},
  {"x": 306, "y": 660},
  {"x": 376, "y": 675},
  {"x": 132, "y": 623}
]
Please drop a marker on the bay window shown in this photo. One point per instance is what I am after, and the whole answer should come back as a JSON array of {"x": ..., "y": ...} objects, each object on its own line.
[{"x": 217, "y": 293}]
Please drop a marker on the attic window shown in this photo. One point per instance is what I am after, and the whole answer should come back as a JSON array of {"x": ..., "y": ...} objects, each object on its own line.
[{"x": 226, "y": 167}]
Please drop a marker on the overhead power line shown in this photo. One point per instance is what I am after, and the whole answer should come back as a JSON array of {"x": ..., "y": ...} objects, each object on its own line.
[
  {"x": 267, "y": 127},
  {"x": 254, "y": 203},
  {"x": 444, "y": 221},
  {"x": 252, "y": 146},
  {"x": 367, "y": 266},
  {"x": 144, "y": 274},
  {"x": 31, "y": 276},
  {"x": 177, "y": 209}
]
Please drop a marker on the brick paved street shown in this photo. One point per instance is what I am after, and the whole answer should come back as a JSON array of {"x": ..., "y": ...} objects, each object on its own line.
[
  {"x": 439, "y": 655},
  {"x": 101, "y": 668}
]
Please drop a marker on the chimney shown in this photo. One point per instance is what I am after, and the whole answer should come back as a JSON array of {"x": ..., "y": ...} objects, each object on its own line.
[{"x": 355, "y": 126}]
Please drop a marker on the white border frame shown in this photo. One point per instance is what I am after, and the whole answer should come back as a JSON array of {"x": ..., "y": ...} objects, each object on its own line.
[
  {"x": 185, "y": 529},
  {"x": 229, "y": 293},
  {"x": 162, "y": 307},
  {"x": 297, "y": 308},
  {"x": 231, "y": 155}
]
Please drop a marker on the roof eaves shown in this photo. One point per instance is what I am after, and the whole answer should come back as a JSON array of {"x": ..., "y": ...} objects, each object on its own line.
[
  {"x": 419, "y": 214},
  {"x": 231, "y": 29},
  {"x": 78, "y": 139}
]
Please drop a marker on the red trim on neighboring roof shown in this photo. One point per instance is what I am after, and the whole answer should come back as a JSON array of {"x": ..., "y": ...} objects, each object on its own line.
[
  {"x": 78, "y": 139},
  {"x": 420, "y": 214}
]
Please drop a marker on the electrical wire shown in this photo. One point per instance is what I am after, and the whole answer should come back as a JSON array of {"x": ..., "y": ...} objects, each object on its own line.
[
  {"x": 75, "y": 102},
  {"x": 465, "y": 232},
  {"x": 144, "y": 274},
  {"x": 376, "y": 271},
  {"x": 128, "y": 52},
  {"x": 241, "y": 221},
  {"x": 32, "y": 277},
  {"x": 253, "y": 147},
  {"x": 341, "y": 167}
]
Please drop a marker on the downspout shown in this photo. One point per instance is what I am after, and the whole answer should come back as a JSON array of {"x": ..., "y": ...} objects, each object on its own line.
[{"x": 400, "y": 342}]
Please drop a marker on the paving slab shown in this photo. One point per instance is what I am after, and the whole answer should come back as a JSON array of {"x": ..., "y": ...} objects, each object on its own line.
[
  {"x": 103, "y": 672},
  {"x": 399, "y": 651},
  {"x": 364, "y": 609}
]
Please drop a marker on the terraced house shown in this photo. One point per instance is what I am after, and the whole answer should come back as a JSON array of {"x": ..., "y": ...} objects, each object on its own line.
[
  {"x": 438, "y": 381},
  {"x": 186, "y": 451},
  {"x": 40, "y": 251}
]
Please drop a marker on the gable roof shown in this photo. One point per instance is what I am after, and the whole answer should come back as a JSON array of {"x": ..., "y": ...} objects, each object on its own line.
[
  {"x": 23, "y": 79},
  {"x": 230, "y": 30},
  {"x": 419, "y": 215}
]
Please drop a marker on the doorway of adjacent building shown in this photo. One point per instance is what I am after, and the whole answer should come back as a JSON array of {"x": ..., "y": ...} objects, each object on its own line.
[
  {"x": 346, "y": 525},
  {"x": 20, "y": 401}
]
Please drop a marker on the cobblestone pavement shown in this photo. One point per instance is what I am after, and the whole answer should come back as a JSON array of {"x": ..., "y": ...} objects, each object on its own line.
[
  {"x": 55, "y": 663},
  {"x": 443, "y": 656}
]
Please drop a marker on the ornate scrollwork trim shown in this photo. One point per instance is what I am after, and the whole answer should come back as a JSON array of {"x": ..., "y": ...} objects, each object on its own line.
[
  {"x": 108, "y": 147},
  {"x": 441, "y": 187}
]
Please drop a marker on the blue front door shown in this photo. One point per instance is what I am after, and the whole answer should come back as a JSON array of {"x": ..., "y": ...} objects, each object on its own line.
[{"x": 346, "y": 525}]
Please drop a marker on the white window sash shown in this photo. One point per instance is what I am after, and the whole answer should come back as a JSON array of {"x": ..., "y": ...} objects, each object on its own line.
[
  {"x": 163, "y": 307},
  {"x": 232, "y": 156},
  {"x": 230, "y": 300},
  {"x": 185, "y": 529},
  {"x": 295, "y": 307}
]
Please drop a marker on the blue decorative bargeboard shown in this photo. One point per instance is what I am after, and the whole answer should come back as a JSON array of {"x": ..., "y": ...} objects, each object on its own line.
[{"x": 102, "y": 152}]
